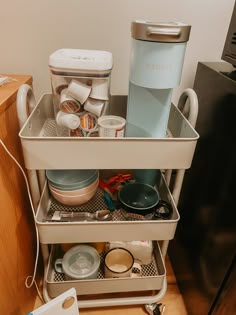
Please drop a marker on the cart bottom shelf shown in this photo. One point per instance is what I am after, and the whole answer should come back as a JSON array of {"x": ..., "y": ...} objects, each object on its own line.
[{"x": 151, "y": 278}]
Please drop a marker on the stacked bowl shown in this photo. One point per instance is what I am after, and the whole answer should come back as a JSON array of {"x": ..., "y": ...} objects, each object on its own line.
[{"x": 72, "y": 187}]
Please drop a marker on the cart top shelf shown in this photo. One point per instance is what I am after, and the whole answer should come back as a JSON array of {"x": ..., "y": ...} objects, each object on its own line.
[{"x": 42, "y": 148}]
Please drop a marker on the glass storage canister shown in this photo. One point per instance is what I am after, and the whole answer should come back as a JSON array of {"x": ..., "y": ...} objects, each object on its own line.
[{"x": 80, "y": 82}]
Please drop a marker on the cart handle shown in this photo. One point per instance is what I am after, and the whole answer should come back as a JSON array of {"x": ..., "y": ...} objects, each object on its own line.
[
  {"x": 25, "y": 103},
  {"x": 192, "y": 109}
]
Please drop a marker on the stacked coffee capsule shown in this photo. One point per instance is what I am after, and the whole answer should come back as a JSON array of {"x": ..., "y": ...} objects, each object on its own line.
[{"x": 80, "y": 84}]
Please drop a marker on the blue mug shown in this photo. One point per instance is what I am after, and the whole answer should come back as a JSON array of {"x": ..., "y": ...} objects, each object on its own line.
[{"x": 147, "y": 176}]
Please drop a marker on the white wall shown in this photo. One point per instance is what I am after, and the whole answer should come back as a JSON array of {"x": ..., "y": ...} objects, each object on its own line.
[{"x": 31, "y": 30}]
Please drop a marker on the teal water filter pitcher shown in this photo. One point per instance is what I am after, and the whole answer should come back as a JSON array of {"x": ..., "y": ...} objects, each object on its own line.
[{"x": 157, "y": 56}]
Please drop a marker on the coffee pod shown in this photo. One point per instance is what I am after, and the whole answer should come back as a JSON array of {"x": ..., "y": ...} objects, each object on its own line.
[
  {"x": 60, "y": 88},
  {"x": 111, "y": 126},
  {"x": 70, "y": 121},
  {"x": 94, "y": 106},
  {"x": 77, "y": 133},
  {"x": 88, "y": 122},
  {"x": 100, "y": 89},
  {"x": 92, "y": 134},
  {"x": 79, "y": 91},
  {"x": 68, "y": 104},
  {"x": 59, "y": 83}
]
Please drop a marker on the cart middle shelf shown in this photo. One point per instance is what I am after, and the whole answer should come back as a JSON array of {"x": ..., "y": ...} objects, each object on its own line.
[{"x": 120, "y": 228}]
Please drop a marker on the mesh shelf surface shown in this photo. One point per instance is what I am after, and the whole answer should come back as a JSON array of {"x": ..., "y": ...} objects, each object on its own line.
[
  {"x": 97, "y": 202},
  {"x": 149, "y": 270},
  {"x": 49, "y": 129}
]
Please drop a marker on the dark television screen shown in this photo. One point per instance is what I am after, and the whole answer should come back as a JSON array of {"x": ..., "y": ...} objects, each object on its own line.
[{"x": 229, "y": 51}]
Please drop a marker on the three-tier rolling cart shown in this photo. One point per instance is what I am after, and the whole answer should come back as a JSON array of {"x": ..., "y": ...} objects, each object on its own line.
[{"x": 43, "y": 150}]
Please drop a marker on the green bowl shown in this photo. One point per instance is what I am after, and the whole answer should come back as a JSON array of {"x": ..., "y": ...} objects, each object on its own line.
[
  {"x": 71, "y": 179},
  {"x": 138, "y": 198}
]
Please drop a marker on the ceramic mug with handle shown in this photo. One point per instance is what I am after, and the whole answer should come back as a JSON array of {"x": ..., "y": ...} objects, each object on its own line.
[{"x": 120, "y": 263}]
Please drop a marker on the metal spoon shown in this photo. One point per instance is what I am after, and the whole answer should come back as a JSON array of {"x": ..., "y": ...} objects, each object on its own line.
[{"x": 66, "y": 216}]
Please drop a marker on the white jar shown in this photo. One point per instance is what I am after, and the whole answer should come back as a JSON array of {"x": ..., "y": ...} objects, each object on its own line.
[{"x": 76, "y": 75}]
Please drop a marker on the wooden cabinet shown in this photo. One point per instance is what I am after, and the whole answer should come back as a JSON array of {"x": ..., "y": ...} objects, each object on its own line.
[{"x": 17, "y": 234}]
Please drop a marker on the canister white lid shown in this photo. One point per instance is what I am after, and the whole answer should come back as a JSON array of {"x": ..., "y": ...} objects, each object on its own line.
[{"x": 80, "y": 59}]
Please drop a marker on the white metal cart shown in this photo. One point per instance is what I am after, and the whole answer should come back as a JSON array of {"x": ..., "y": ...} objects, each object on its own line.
[{"x": 42, "y": 150}]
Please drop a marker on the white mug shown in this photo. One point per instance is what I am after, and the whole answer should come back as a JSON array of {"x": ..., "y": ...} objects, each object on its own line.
[{"x": 119, "y": 263}]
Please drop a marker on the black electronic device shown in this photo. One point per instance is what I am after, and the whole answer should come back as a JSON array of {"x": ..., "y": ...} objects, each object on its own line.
[{"x": 229, "y": 51}]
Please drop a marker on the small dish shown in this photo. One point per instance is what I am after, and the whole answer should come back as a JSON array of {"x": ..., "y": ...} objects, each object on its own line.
[
  {"x": 71, "y": 179},
  {"x": 138, "y": 198},
  {"x": 80, "y": 262},
  {"x": 75, "y": 192},
  {"x": 74, "y": 200}
]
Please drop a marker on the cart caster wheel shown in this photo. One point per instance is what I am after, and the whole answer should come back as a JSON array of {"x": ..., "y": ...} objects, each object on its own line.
[{"x": 155, "y": 309}]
